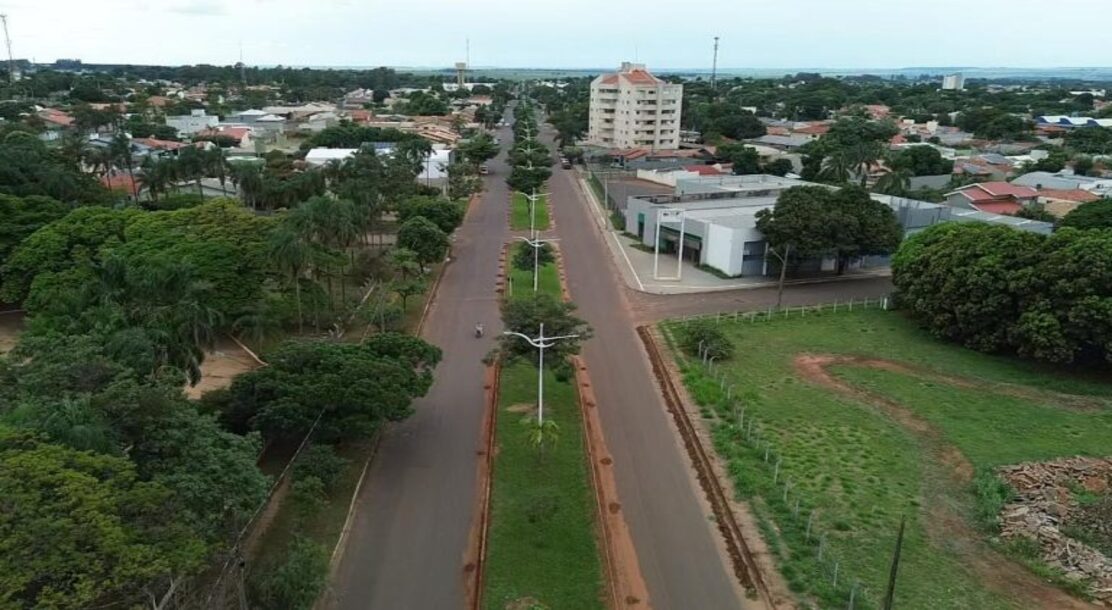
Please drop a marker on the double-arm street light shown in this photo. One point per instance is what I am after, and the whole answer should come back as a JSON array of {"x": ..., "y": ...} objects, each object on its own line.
[
  {"x": 536, "y": 244},
  {"x": 532, "y": 210},
  {"x": 542, "y": 343}
]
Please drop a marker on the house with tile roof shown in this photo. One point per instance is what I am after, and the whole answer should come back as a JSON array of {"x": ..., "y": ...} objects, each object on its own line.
[
  {"x": 631, "y": 108},
  {"x": 992, "y": 197}
]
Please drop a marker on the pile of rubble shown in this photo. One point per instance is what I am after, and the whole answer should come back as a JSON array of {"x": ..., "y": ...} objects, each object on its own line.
[{"x": 1045, "y": 501}]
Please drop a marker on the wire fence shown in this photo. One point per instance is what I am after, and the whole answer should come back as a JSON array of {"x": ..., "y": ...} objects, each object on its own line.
[
  {"x": 772, "y": 312},
  {"x": 799, "y": 518}
]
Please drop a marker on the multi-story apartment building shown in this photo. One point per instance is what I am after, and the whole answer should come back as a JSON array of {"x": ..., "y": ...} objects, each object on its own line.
[
  {"x": 631, "y": 108},
  {"x": 953, "y": 82}
]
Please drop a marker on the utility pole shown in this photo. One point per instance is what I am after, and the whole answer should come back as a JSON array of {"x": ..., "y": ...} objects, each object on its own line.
[
  {"x": 714, "y": 67},
  {"x": 8, "y": 42},
  {"x": 536, "y": 244},
  {"x": 542, "y": 343}
]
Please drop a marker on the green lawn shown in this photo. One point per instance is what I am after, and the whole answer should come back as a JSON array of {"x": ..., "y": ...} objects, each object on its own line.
[
  {"x": 542, "y": 541},
  {"x": 519, "y": 213},
  {"x": 860, "y": 470},
  {"x": 521, "y": 280}
]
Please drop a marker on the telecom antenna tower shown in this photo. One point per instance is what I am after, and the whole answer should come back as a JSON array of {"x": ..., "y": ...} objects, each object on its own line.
[
  {"x": 714, "y": 67},
  {"x": 8, "y": 42}
]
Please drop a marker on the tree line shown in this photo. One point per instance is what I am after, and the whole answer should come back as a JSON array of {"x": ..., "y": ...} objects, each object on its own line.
[{"x": 997, "y": 289}]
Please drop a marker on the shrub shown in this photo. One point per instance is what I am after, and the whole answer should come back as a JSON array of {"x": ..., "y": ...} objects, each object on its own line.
[
  {"x": 295, "y": 584},
  {"x": 705, "y": 335},
  {"x": 320, "y": 462},
  {"x": 523, "y": 256}
]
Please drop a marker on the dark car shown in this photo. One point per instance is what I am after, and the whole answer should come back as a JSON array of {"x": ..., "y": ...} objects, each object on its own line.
[{"x": 565, "y": 163}]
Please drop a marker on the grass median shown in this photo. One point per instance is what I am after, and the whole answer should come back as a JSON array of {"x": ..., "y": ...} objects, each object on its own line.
[
  {"x": 519, "y": 213},
  {"x": 542, "y": 545},
  {"x": 521, "y": 280},
  {"x": 872, "y": 419}
]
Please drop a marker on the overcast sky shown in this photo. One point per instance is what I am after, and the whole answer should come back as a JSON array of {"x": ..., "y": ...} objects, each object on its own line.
[{"x": 568, "y": 33}]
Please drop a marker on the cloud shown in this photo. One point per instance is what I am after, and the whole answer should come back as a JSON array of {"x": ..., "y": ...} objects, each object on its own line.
[{"x": 199, "y": 7}]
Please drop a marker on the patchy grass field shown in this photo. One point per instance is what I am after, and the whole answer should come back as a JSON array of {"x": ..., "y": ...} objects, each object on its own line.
[
  {"x": 521, "y": 280},
  {"x": 874, "y": 420},
  {"x": 519, "y": 213},
  {"x": 542, "y": 543}
]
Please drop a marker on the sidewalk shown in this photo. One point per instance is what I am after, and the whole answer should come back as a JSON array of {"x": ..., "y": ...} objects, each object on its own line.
[{"x": 636, "y": 265}]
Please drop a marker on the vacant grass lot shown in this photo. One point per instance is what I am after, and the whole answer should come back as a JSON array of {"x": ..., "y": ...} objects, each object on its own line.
[
  {"x": 519, "y": 213},
  {"x": 521, "y": 280},
  {"x": 850, "y": 460},
  {"x": 542, "y": 542}
]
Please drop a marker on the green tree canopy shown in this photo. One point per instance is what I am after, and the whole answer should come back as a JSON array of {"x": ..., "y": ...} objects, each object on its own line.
[
  {"x": 1092, "y": 215},
  {"x": 352, "y": 387},
  {"x": 817, "y": 221},
  {"x": 446, "y": 215},
  {"x": 422, "y": 236},
  {"x": 80, "y": 530}
]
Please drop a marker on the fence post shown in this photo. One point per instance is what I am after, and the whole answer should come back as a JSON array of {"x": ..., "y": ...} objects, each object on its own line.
[
  {"x": 885, "y": 304},
  {"x": 767, "y": 448},
  {"x": 810, "y": 519},
  {"x": 835, "y": 305},
  {"x": 835, "y": 584},
  {"x": 822, "y": 543},
  {"x": 776, "y": 472},
  {"x": 795, "y": 511},
  {"x": 736, "y": 315},
  {"x": 851, "y": 304},
  {"x": 852, "y": 595}
]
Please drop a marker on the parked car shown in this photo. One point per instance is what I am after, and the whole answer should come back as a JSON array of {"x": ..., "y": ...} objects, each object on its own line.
[
  {"x": 483, "y": 170},
  {"x": 565, "y": 163}
]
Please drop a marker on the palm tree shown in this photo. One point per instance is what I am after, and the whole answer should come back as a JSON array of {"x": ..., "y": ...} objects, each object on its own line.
[
  {"x": 155, "y": 176},
  {"x": 862, "y": 156},
  {"x": 836, "y": 168},
  {"x": 191, "y": 165},
  {"x": 249, "y": 181},
  {"x": 75, "y": 149},
  {"x": 217, "y": 165},
  {"x": 120, "y": 149},
  {"x": 894, "y": 183},
  {"x": 292, "y": 254}
]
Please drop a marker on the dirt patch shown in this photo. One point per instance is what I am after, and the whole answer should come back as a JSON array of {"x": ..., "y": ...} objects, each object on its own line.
[
  {"x": 11, "y": 325},
  {"x": 947, "y": 476},
  {"x": 220, "y": 366},
  {"x": 523, "y": 408},
  {"x": 526, "y": 603}
]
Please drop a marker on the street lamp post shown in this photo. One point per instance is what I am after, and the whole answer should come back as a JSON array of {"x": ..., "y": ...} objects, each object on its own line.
[
  {"x": 533, "y": 210},
  {"x": 536, "y": 244},
  {"x": 542, "y": 343}
]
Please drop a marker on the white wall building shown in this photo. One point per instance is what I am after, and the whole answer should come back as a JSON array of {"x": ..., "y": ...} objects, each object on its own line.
[
  {"x": 631, "y": 108},
  {"x": 953, "y": 82},
  {"x": 192, "y": 123}
]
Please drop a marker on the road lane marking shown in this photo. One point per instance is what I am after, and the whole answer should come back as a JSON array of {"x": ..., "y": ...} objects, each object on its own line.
[{"x": 636, "y": 277}]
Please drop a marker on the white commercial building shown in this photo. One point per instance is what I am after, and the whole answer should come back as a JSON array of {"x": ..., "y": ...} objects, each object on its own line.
[
  {"x": 631, "y": 108},
  {"x": 953, "y": 82},
  {"x": 194, "y": 122},
  {"x": 715, "y": 218}
]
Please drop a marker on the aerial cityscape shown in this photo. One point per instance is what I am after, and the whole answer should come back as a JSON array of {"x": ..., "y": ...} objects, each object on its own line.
[{"x": 491, "y": 306}]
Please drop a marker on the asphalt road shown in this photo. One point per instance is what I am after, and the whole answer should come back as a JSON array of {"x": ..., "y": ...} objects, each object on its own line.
[
  {"x": 414, "y": 510},
  {"x": 672, "y": 532}
]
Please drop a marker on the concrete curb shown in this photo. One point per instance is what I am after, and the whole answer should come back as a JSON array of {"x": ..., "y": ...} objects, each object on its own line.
[
  {"x": 474, "y": 564},
  {"x": 746, "y": 568},
  {"x": 626, "y": 583}
]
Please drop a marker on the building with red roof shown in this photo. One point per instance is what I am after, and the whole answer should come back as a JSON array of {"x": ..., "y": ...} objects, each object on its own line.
[
  {"x": 993, "y": 197},
  {"x": 120, "y": 182},
  {"x": 631, "y": 108}
]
